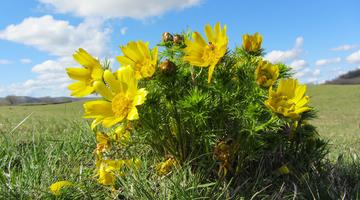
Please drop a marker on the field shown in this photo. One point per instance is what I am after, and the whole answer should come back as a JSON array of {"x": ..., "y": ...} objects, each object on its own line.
[
  {"x": 338, "y": 116},
  {"x": 40, "y": 145}
]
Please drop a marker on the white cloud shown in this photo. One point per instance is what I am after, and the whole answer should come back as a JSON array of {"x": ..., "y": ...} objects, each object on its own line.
[
  {"x": 5, "y": 62},
  {"x": 354, "y": 57},
  {"x": 277, "y": 56},
  {"x": 299, "y": 74},
  {"x": 25, "y": 61},
  {"x": 345, "y": 47},
  {"x": 298, "y": 64},
  {"x": 315, "y": 80},
  {"x": 341, "y": 72},
  {"x": 302, "y": 73},
  {"x": 316, "y": 72},
  {"x": 53, "y": 66},
  {"x": 138, "y": 9},
  {"x": 58, "y": 37},
  {"x": 123, "y": 30},
  {"x": 51, "y": 80},
  {"x": 329, "y": 61},
  {"x": 309, "y": 75}
]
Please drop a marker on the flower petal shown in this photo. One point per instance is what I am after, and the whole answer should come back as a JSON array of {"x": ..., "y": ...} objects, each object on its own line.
[
  {"x": 133, "y": 114},
  {"x": 79, "y": 74},
  {"x": 97, "y": 109},
  {"x": 111, "y": 121},
  {"x": 57, "y": 186},
  {"x": 140, "y": 97},
  {"x": 80, "y": 89},
  {"x": 211, "y": 71},
  {"x": 115, "y": 85},
  {"x": 209, "y": 33},
  {"x": 104, "y": 91}
]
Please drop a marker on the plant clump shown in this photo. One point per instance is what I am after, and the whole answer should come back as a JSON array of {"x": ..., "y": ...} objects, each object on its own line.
[{"x": 226, "y": 113}]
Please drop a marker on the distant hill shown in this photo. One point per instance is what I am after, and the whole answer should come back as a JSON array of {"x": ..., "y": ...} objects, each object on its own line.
[
  {"x": 352, "y": 77},
  {"x": 25, "y": 100}
]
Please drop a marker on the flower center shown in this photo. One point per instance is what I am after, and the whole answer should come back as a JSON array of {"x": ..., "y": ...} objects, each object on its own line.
[
  {"x": 283, "y": 104},
  {"x": 121, "y": 105},
  {"x": 144, "y": 67},
  {"x": 286, "y": 103},
  {"x": 267, "y": 74},
  {"x": 210, "y": 54}
]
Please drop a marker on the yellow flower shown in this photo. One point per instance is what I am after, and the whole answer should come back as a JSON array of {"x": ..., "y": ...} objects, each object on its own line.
[
  {"x": 252, "y": 43},
  {"x": 107, "y": 170},
  {"x": 102, "y": 142},
  {"x": 165, "y": 167},
  {"x": 266, "y": 74},
  {"x": 289, "y": 99},
  {"x": 121, "y": 96},
  {"x": 121, "y": 134},
  {"x": 204, "y": 54},
  {"x": 283, "y": 169},
  {"x": 140, "y": 58},
  {"x": 57, "y": 186},
  {"x": 86, "y": 76}
]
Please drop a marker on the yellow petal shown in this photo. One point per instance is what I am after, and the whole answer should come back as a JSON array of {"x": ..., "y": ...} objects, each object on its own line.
[
  {"x": 133, "y": 114},
  {"x": 211, "y": 71},
  {"x": 284, "y": 170},
  {"x": 79, "y": 74},
  {"x": 127, "y": 75},
  {"x": 97, "y": 109},
  {"x": 97, "y": 73},
  {"x": 115, "y": 85},
  {"x": 104, "y": 91},
  {"x": 123, "y": 60},
  {"x": 57, "y": 186},
  {"x": 143, "y": 49},
  {"x": 111, "y": 121},
  {"x": 80, "y": 89},
  {"x": 217, "y": 31},
  {"x": 154, "y": 52},
  {"x": 130, "y": 51},
  {"x": 106, "y": 177},
  {"x": 101, "y": 138},
  {"x": 140, "y": 97},
  {"x": 96, "y": 122},
  {"x": 299, "y": 93},
  {"x": 302, "y": 109},
  {"x": 302, "y": 102},
  {"x": 209, "y": 33},
  {"x": 85, "y": 59},
  {"x": 199, "y": 39}
]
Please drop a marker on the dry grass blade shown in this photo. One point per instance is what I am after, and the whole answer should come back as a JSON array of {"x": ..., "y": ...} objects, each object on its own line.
[{"x": 20, "y": 123}]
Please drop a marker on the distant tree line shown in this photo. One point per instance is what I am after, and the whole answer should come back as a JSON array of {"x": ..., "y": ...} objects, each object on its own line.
[{"x": 352, "y": 77}]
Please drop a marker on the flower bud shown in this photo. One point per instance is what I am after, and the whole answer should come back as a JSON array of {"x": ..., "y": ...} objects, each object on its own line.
[
  {"x": 167, "y": 67},
  {"x": 266, "y": 74},
  {"x": 252, "y": 43},
  {"x": 167, "y": 37},
  {"x": 178, "y": 39}
]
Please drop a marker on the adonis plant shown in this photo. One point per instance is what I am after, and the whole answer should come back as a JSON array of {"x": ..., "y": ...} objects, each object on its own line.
[{"x": 191, "y": 100}]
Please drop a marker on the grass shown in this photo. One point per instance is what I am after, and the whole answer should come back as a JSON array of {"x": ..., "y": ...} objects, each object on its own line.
[
  {"x": 54, "y": 144},
  {"x": 338, "y": 119}
]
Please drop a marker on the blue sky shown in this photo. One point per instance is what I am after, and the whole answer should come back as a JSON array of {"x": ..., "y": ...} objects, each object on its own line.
[{"x": 319, "y": 39}]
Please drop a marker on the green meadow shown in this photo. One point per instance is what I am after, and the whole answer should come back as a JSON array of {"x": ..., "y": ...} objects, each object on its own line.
[{"x": 42, "y": 144}]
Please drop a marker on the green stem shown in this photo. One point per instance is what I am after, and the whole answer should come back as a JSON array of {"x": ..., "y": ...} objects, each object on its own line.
[{"x": 262, "y": 126}]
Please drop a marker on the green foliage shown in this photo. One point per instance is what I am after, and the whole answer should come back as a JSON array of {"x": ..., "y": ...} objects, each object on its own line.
[{"x": 223, "y": 127}]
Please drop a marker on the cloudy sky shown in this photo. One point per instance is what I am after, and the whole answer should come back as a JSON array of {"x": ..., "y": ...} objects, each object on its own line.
[{"x": 319, "y": 39}]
